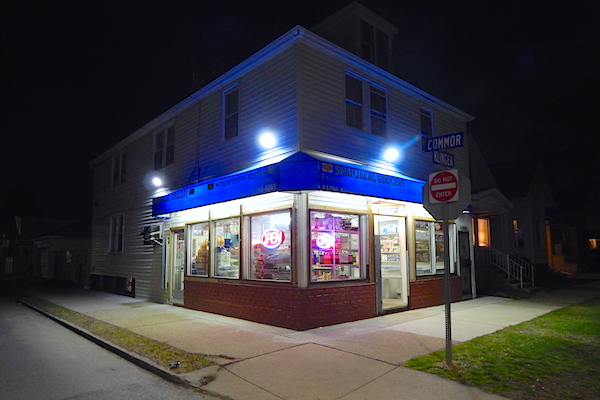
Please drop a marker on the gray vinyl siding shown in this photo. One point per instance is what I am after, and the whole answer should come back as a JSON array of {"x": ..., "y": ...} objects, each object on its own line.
[{"x": 323, "y": 119}]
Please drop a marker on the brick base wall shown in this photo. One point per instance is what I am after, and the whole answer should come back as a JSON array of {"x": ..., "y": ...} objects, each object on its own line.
[
  {"x": 430, "y": 291},
  {"x": 286, "y": 307}
]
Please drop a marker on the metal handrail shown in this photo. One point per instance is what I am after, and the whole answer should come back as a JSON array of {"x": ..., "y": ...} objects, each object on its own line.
[{"x": 514, "y": 266}]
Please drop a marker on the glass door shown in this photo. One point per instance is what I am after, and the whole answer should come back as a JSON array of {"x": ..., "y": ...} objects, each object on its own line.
[
  {"x": 177, "y": 265},
  {"x": 394, "y": 278}
]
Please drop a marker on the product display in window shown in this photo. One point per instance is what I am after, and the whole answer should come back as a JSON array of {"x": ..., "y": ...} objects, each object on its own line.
[
  {"x": 271, "y": 246},
  {"x": 199, "y": 249},
  {"x": 334, "y": 246},
  {"x": 227, "y": 249}
]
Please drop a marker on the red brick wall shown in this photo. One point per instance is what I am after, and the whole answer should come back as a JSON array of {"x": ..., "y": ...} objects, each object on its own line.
[
  {"x": 283, "y": 306},
  {"x": 430, "y": 291}
]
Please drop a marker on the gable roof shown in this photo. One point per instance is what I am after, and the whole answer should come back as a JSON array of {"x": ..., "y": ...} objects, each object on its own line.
[
  {"x": 295, "y": 35},
  {"x": 524, "y": 178}
]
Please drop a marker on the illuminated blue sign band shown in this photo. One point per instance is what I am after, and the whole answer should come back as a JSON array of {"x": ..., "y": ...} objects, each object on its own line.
[{"x": 300, "y": 172}]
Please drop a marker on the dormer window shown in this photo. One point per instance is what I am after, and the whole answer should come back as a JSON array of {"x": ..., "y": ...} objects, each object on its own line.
[{"x": 374, "y": 45}]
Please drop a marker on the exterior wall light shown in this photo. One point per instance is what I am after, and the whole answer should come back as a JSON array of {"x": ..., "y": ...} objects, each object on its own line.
[
  {"x": 157, "y": 181},
  {"x": 267, "y": 140},
  {"x": 391, "y": 155}
]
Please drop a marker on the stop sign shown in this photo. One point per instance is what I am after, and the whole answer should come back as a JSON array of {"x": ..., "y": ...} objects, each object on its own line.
[{"x": 443, "y": 186}]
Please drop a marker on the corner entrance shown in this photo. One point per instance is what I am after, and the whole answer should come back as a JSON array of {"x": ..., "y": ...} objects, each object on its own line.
[
  {"x": 176, "y": 266},
  {"x": 392, "y": 267}
]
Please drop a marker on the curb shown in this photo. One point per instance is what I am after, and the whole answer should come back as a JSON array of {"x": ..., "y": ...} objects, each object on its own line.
[{"x": 131, "y": 357}]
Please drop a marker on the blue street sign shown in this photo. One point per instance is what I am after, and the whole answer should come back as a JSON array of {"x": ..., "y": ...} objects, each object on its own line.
[
  {"x": 439, "y": 157},
  {"x": 444, "y": 142}
]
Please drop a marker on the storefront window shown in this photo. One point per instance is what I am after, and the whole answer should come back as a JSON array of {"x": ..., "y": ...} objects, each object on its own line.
[
  {"x": 227, "y": 248},
  {"x": 429, "y": 240},
  {"x": 335, "y": 246},
  {"x": 271, "y": 246},
  {"x": 199, "y": 249}
]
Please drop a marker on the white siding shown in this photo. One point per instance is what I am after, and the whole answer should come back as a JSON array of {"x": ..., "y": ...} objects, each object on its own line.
[{"x": 323, "y": 123}]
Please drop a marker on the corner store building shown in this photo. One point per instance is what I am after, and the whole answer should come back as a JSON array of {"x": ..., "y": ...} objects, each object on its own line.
[{"x": 316, "y": 230}]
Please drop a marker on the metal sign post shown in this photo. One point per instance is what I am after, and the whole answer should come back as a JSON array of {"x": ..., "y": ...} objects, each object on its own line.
[{"x": 447, "y": 299}]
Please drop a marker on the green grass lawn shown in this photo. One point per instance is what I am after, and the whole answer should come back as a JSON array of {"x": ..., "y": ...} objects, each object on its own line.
[{"x": 554, "y": 356}]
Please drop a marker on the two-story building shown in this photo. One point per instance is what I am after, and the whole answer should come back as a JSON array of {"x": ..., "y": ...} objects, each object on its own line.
[{"x": 288, "y": 191}]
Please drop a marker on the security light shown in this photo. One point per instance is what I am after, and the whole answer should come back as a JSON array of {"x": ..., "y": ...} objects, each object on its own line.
[
  {"x": 157, "y": 181},
  {"x": 267, "y": 140},
  {"x": 391, "y": 154}
]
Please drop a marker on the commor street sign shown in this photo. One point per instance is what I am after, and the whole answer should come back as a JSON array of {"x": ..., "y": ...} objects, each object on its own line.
[
  {"x": 444, "y": 142},
  {"x": 443, "y": 186}
]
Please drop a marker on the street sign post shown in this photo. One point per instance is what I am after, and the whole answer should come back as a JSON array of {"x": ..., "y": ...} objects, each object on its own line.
[
  {"x": 442, "y": 158},
  {"x": 445, "y": 195}
]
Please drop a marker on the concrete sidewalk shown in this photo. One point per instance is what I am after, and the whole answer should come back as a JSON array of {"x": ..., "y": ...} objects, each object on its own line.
[{"x": 351, "y": 361}]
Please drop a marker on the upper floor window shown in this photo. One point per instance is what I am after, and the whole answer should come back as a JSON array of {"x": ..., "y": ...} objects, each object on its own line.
[
  {"x": 374, "y": 45},
  {"x": 231, "y": 114},
  {"x": 164, "y": 147},
  {"x": 426, "y": 123},
  {"x": 361, "y": 96},
  {"x": 116, "y": 234},
  {"x": 119, "y": 169}
]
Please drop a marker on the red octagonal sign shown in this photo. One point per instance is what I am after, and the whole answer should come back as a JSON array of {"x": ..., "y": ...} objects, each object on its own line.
[{"x": 443, "y": 186}]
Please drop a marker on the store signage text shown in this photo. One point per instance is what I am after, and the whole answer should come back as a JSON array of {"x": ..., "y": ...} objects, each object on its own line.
[
  {"x": 325, "y": 241},
  {"x": 272, "y": 238}
]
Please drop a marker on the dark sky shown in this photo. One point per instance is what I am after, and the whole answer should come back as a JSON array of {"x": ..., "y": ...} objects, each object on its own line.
[{"x": 77, "y": 77}]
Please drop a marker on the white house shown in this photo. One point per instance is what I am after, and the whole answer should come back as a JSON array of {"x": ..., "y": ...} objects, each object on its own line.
[{"x": 314, "y": 228}]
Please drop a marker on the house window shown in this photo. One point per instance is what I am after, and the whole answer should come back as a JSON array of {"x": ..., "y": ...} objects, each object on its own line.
[
  {"x": 518, "y": 234},
  {"x": 116, "y": 235},
  {"x": 483, "y": 232},
  {"x": 164, "y": 147},
  {"x": 231, "y": 114},
  {"x": 361, "y": 95},
  {"x": 271, "y": 257},
  {"x": 426, "y": 123},
  {"x": 119, "y": 169},
  {"x": 374, "y": 45},
  {"x": 429, "y": 241}
]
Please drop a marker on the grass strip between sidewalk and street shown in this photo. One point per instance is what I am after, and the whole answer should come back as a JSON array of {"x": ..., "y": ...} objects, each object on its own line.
[
  {"x": 160, "y": 353},
  {"x": 555, "y": 356}
]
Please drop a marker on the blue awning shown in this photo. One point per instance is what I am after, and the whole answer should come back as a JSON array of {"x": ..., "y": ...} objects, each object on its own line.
[{"x": 300, "y": 171}]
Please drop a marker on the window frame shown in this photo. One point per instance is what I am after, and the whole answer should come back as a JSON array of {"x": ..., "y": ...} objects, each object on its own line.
[
  {"x": 119, "y": 169},
  {"x": 116, "y": 235},
  {"x": 365, "y": 114},
  {"x": 431, "y": 131},
  {"x": 433, "y": 251},
  {"x": 231, "y": 130},
  {"x": 164, "y": 146}
]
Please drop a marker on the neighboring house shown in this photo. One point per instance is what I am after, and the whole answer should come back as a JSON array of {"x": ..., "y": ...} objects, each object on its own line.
[
  {"x": 19, "y": 251},
  {"x": 63, "y": 255},
  {"x": 314, "y": 229}
]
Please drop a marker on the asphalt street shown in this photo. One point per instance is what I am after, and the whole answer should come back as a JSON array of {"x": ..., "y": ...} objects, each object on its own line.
[{"x": 40, "y": 359}]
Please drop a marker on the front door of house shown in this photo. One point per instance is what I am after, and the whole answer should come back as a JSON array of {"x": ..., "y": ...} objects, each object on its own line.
[{"x": 177, "y": 265}]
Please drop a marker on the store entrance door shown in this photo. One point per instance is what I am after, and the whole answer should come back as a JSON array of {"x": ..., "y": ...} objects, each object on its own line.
[
  {"x": 393, "y": 272},
  {"x": 177, "y": 266}
]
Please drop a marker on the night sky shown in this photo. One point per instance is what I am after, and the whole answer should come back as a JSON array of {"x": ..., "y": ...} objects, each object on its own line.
[{"x": 77, "y": 77}]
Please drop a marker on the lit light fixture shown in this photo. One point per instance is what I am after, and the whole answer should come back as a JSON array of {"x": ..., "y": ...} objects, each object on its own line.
[
  {"x": 267, "y": 140},
  {"x": 157, "y": 181},
  {"x": 391, "y": 155}
]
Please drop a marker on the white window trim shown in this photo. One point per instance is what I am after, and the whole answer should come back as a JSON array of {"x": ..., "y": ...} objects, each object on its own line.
[{"x": 367, "y": 110}]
